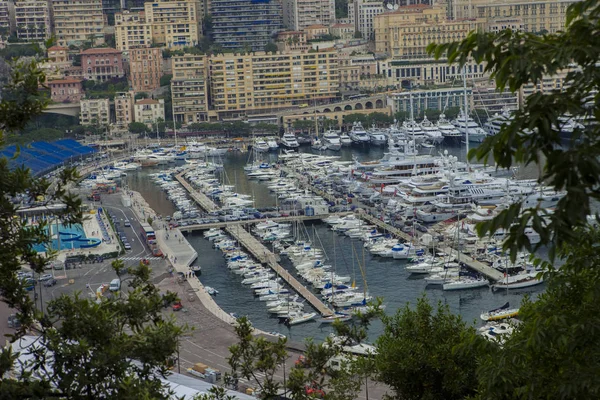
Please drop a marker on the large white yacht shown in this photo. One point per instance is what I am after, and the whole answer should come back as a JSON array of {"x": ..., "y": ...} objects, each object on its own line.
[
  {"x": 495, "y": 123},
  {"x": 466, "y": 125},
  {"x": 448, "y": 131},
  {"x": 289, "y": 140},
  {"x": 332, "y": 140},
  {"x": 358, "y": 134},
  {"x": 431, "y": 131}
]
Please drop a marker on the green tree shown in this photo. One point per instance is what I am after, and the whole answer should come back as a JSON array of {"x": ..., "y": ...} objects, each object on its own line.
[
  {"x": 137, "y": 127},
  {"x": 379, "y": 119},
  {"x": 165, "y": 80},
  {"x": 141, "y": 95},
  {"x": 305, "y": 126},
  {"x": 349, "y": 119},
  {"x": 256, "y": 359},
  {"x": 358, "y": 35},
  {"x": 341, "y": 9},
  {"x": 266, "y": 128},
  {"x": 415, "y": 354},
  {"x": 271, "y": 48}
]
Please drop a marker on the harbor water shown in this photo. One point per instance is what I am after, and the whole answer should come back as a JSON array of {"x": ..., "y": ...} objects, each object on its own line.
[{"x": 384, "y": 277}]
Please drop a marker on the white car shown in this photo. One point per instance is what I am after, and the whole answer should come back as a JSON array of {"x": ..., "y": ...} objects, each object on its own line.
[{"x": 46, "y": 277}]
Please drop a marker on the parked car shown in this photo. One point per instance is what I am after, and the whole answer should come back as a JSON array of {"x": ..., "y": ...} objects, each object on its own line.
[
  {"x": 127, "y": 223},
  {"x": 127, "y": 246},
  {"x": 46, "y": 277},
  {"x": 50, "y": 282}
]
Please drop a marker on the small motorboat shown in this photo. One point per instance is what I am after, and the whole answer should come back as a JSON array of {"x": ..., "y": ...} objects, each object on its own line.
[
  {"x": 500, "y": 313},
  {"x": 210, "y": 290},
  {"x": 335, "y": 317},
  {"x": 196, "y": 269}
]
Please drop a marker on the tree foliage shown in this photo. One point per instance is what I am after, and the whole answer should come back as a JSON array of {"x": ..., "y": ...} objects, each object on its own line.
[
  {"x": 514, "y": 59},
  {"x": 137, "y": 127},
  {"x": 415, "y": 354}
]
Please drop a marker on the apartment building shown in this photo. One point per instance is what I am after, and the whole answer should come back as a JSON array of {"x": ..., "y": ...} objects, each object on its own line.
[
  {"x": 406, "y": 32},
  {"x": 123, "y": 109},
  {"x": 145, "y": 68},
  {"x": 536, "y": 15},
  {"x": 78, "y": 21},
  {"x": 132, "y": 31},
  {"x": 353, "y": 69},
  {"x": 174, "y": 23},
  {"x": 292, "y": 41},
  {"x": 32, "y": 20},
  {"x": 426, "y": 71},
  {"x": 149, "y": 111},
  {"x": 245, "y": 24},
  {"x": 315, "y": 31},
  {"x": 189, "y": 88},
  {"x": 298, "y": 14},
  {"x": 361, "y": 14},
  {"x": 94, "y": 112},
  {"x": 68, "y": 90},
  {"x": 242, "y": 85},
  {"x": 6, "y": 19},
  {"x": 343, "y": 31},
  {"x": 102, "y": 64}
]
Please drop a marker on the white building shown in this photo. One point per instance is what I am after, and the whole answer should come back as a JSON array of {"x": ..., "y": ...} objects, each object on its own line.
[
  {"x": 149, "y": 111},
  {"x": 298, "y": 14},
  {"x": 94, "y": 112},
  {"x": 361, "y": 13}
]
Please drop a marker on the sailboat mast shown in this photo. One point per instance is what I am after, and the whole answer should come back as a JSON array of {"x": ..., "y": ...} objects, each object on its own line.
[{"x": 466, "y": 113}]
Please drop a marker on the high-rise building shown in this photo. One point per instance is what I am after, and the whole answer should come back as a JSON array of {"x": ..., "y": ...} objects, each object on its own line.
[
  {"x": 406, "y": 32},
  {"x": 145, "y": 68},
  {"x": 535, "y": 15},
  {"x": 174, "y": 23},
  {"x": 32, "y": 20},
  {"x": 298, "y": 14},
  {"x": 6, "y": 23},
  {"x": 78, "y": 21},
  {"x": 243, "y": 85},
  {"x": 123, "y": 109},
  {"x": 361, "y": 13},
  {"x": 245, "y": 24},
  {"x": 189, "y": 88},
  {"x": 132, "y": 31}
]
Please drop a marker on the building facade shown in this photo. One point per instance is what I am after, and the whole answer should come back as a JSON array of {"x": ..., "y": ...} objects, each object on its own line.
[
  {"x": 245, "y": 24},
  {"x": 174, "y": 24},
  {"x": 132, "y": 31},
  {"x": 406, "y": 32},
  {"x": 68, "y": 90},
  {"x": 361, "y": 14},
  {"x": 78, "y": 21},
  {"x": 243, "y": 85},
  {"x": 102, "y": 64},
  {"x": 6, "y": 19},
  {"x": 343, "y": 31},
  {"x": 32, "y": 20},
  {"x": 123, "y": 109},
  {"x": 145, "y": 68},
  {"x": 353, "y": 69},
  {"x": 427, "y": 71},
  {"x": 189, "y": 88},
  {"x": 298, "y": 14},
  {"x": 536, "y": 15},
  {"x": 149, "y": 111},
  {"x": 94, "y": 112}
]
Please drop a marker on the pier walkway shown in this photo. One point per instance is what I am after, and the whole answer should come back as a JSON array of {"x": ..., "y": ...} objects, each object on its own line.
[
  {"x": 478, "y": 266},
  {"x": 265, "y": 256},
  {"x": 199, "y": 197}
]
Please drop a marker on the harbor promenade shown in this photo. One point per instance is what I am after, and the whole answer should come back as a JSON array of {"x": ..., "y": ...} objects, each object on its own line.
[{"x": 265, "y": 256}]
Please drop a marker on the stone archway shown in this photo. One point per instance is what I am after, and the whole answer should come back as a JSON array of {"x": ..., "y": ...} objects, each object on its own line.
[
  {"x": 337, "y": 109},
  {"x": 348, "y": 107},
  {"x": 326, "y": 110},
  {"x": 379, "y": 104},
  {"x": 369, "y": 105},
  {"x": 358, "y": 106}
]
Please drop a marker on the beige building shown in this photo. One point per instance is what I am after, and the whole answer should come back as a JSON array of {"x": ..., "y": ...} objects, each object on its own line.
[
  {"x": 354, "y": 69},
  {"x": 536, "y": 15},
  {"x": 426, "y": 71},
  {"x": 343, "y": 31},
  {"x": 174, "y": 23},
  {"x": 132, "y": 31},
  {"x": 94, "y": 112},
  {"x": 123, "y": 109},
  {"x": 243, "y": 85},
  {"x": 315, "y": 31},
  {"x": 32, "y": 20},
  {"x": 149, "y": 111},
  {"x": 145, "y": 68},
  {"x": 292, "y": 41},
  {"x": 6, "y": 19},
  {"x": 78, "y": 21},
  {"x": 406, "y": 32},
  {"x": 298, "y": 14},
  {"x": 189, "y": 88}
]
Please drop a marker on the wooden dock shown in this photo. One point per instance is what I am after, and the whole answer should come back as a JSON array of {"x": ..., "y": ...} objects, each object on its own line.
[
  {"x": 265, "y": 256},
  {"x": 478, "y": 266},
  {"x": 199, "y": 197}
]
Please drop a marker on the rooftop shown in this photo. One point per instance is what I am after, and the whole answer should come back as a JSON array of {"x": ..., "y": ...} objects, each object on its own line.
[
  {"x": 66, "y": 80},
  {"x": 101, "y": 50},
  {"x": 147, "y": 101}
]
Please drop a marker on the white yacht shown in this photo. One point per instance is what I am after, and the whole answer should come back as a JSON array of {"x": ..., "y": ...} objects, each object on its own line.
[
  {"x": 466, "y": 125},
  {"x": 431, "y": 131},
  {"x": 448, "y": 131},
  {"x": 412, "y": 130},
  {"x": 493, "y": 125},
  {"x": 273, "y": 146},
  {"x": 345, "y": 140},
  {"x": 377, "y": 137},
  {"x": 332, "y": 141},
  {"x": 289, "y": 140},
  {"x": 260, "y": 145},
  {"x": 358, "y": 134}
]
